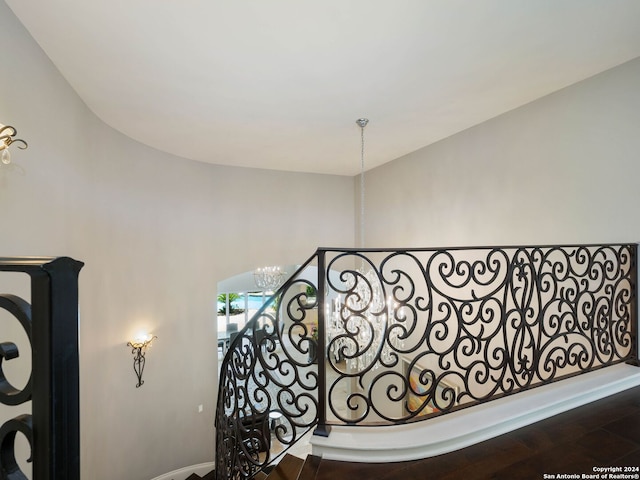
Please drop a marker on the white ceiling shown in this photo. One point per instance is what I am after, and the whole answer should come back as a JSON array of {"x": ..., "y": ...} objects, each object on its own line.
[{"x": 278, "y": 84}]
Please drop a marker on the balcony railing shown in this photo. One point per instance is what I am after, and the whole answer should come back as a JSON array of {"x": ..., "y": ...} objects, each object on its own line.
[
  {"x": 381, "y": 337},
  {"x": 50, "y": 322}
]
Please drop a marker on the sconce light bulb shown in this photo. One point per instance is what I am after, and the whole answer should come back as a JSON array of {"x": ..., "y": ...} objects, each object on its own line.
[
  {"x": 5, "y": 157},
  {"x": 144, "y": 337}
]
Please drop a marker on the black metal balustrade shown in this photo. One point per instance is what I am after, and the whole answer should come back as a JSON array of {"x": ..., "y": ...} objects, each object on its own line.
[
  {"x": 418, "y": 333},
  {"x": 268, "y": 389},
  {"x": 50, "y": 322},
  {"x": 405, "y": 335}
]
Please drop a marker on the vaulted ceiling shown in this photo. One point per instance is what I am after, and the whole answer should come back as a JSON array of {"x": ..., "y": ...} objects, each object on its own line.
[{"x": 278, "y": 84}]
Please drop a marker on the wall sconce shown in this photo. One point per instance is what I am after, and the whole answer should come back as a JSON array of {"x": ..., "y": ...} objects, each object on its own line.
[
  {"x": 7, "y": 132},
  {"x": 138, "y": 349}
]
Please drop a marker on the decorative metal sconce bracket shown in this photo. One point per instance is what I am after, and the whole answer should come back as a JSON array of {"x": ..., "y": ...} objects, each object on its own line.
[
  {"x": 7, "y": 132},
  {"x": 139, "y": 349}
]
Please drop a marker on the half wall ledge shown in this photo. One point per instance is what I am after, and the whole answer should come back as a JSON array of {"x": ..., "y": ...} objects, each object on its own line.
[{"x": 472, "y": 425}]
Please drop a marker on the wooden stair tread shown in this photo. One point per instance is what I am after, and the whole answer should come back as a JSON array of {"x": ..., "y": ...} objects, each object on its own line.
[
  {"x": 209, "y": 476},
  {"x": 310, "y": 468},
  {"x": 287, "y": 469}
]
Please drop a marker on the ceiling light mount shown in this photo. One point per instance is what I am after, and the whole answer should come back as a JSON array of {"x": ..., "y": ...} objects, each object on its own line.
[{"x": 362, "y": 122}]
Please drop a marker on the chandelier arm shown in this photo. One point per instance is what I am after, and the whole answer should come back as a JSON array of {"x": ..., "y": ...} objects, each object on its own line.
[{"x": 19, "y": 140}]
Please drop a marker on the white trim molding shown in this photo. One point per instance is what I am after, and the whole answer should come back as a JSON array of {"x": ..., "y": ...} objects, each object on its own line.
[
  {"x": 472, "y": 425},
  {"x": 182, "y": 473}
]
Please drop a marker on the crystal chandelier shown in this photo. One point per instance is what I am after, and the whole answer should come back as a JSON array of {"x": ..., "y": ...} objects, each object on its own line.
[
  {"x": 363, "y": 323},
  {"x": 268, "y": 278}
]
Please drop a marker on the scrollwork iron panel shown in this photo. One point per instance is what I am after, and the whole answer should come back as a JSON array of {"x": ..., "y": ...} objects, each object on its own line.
[
  {"x": 10, "y": 395},
  {"x": 416, "y": 333},
  {"x": 21, "y": 310},
  {"x": 9, "y": 467}
]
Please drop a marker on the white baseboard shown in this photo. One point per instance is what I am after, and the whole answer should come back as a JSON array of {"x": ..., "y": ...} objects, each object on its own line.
[
  {"x": 474, "y": 424},
  {"x": 182, "y": 473}
]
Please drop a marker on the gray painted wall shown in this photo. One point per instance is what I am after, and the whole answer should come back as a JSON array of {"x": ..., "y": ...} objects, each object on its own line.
[
  {"x": 562, "y": 169},
  {"x": 157, "y": 233}
]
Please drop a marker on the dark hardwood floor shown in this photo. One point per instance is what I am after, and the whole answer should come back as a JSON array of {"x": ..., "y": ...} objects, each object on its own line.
[{"x": 605, "y": 433}]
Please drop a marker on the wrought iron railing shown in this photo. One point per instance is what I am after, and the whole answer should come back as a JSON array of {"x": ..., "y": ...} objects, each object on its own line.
[
  {"x": 50, "y": 322},
  {"x": 268, "y": 389},
  {"x": 405, "y": 335},
  {"x": 418, "y": 333}
]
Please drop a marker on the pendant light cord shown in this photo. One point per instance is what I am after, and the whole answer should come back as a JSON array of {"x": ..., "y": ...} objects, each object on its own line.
[
  {"x": 361, "y": 187},
  {"x": 362, "y": 122}
]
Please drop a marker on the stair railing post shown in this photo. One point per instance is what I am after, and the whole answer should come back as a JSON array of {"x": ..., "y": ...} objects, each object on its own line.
[
  {"x": 55, "y": 370},
  {"x": 322, "y": 428},
  {"x": 635, "y": 316}
]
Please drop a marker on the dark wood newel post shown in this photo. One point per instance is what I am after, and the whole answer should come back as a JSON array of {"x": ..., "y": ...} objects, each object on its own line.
[
  {"x": 322, "y": 429},
  {"x": 635, "y": 326},
  {"x": 55, "y": 370}
]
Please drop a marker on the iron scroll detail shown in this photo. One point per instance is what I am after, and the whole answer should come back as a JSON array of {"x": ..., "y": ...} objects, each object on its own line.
[
  {"x": 10, "y": 395},
  {"x": 9, "y": 465},
  {"x": 21, "y": 310},
  {"x": 417, "y": 333}
]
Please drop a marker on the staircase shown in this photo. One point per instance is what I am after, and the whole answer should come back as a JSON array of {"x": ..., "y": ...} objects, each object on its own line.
[
  {"x": 289, "y": 468},
  {"x": 209, "y": 476},
  {"x": 393, "y": 338}
]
